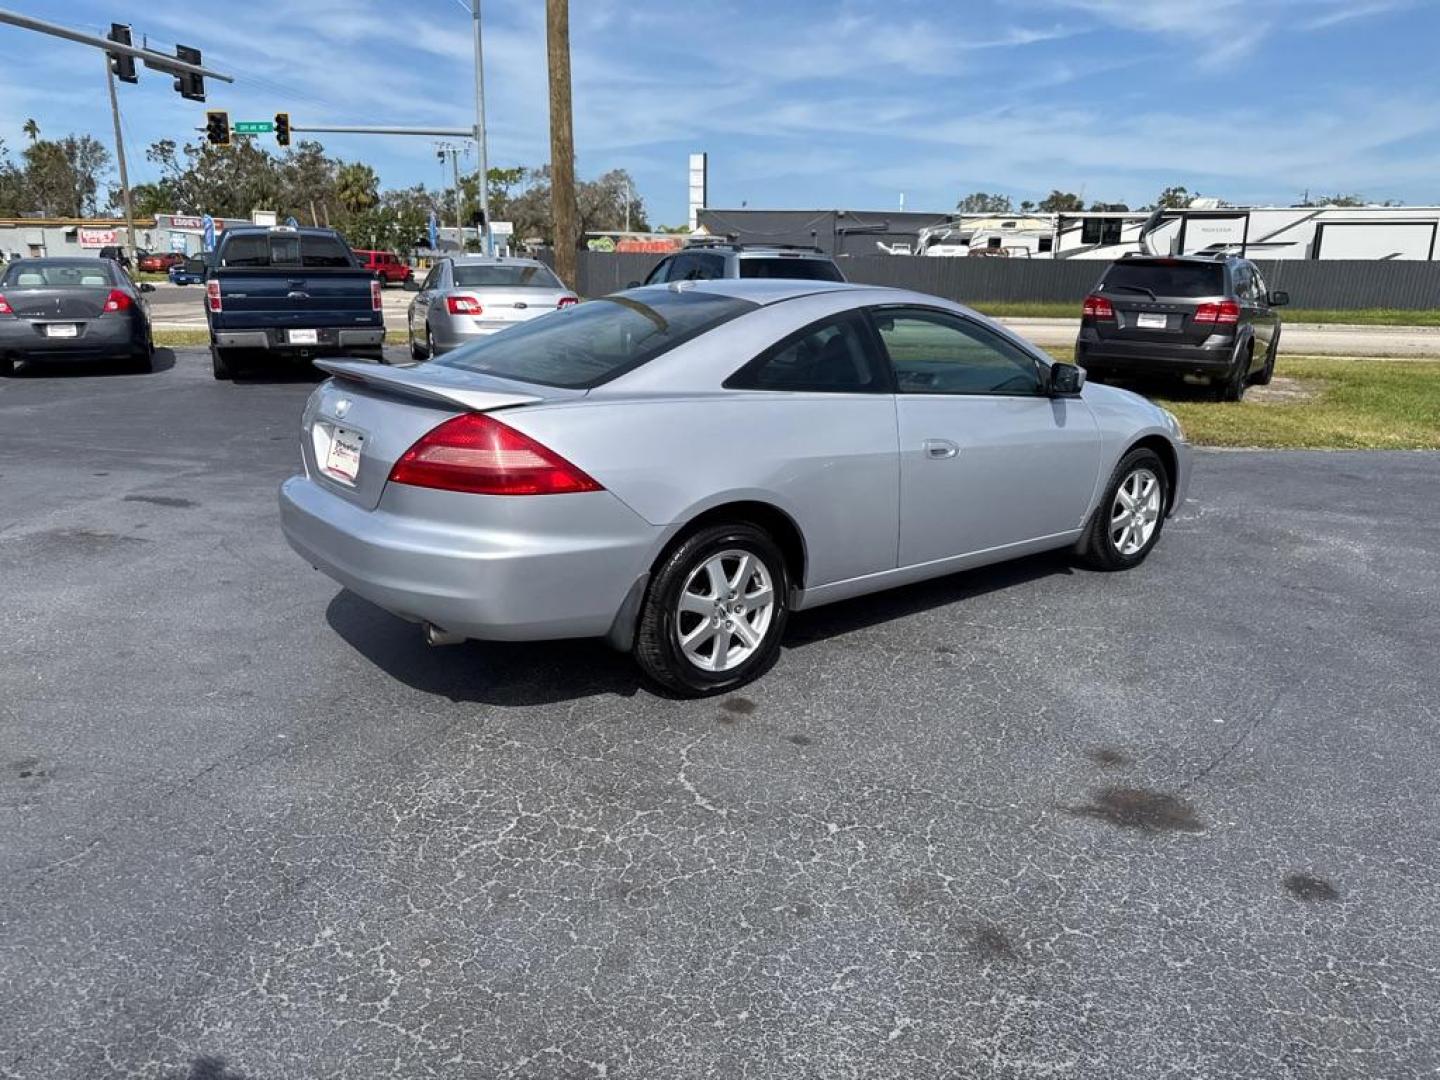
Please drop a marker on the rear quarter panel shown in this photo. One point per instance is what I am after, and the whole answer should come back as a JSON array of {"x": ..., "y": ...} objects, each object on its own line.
[{"x": 828, "y": 461}]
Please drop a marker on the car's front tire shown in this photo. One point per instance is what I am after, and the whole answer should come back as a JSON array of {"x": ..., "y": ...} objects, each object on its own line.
[
  {"x": 416, "y": 352},
  {"x": 1127, "y": 523},
  {"x": 714, "y": 612}
]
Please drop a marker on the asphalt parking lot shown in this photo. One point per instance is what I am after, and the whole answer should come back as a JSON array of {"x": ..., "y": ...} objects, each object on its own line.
[{"x": 1027, "y": 822}]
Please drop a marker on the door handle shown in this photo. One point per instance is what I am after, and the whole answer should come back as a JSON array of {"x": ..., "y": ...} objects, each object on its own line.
[{"x": 940, "y": 448}]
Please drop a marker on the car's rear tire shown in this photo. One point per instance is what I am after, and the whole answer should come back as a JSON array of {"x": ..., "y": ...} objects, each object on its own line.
[
  {"x": 1127, "y": 523},
  {"x": 1265, "y": 374},
  {"x": 222, "y": 362},
  {"x": 1233, "y": 388},
  {"x": 714, "y": 611}
]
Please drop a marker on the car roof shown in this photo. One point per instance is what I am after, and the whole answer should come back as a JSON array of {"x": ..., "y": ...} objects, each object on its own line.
[
  {"x": 761, "y": 290},
  {"x": 492, "y": 260},
  {"x": 47, "y": 260},
  {"x": 1189, "y": 260}
]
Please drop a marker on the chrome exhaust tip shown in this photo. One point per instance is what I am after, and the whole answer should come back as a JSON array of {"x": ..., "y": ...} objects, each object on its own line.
[{"x": 435, "y": 636}]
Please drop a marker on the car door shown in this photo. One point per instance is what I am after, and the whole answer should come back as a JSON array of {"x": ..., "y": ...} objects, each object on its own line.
[
  {"x": 821, "y": 397},
  {"x": 1251, "y": 314},
  {"x": 429, "y": 291},
  {"x": 987, "y": 458},
  {"x": 1264, "y": 313}
]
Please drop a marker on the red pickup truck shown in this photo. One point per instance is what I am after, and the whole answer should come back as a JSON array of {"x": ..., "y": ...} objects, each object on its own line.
[{"x": 387, "y": 264}]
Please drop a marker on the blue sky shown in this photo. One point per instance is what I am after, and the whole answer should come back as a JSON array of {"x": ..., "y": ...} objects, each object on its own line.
[{"x": 811, "y": 103}]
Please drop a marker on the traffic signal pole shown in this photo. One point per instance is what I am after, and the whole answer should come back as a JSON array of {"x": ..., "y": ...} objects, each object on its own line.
[{"x": 120, "y": 160}]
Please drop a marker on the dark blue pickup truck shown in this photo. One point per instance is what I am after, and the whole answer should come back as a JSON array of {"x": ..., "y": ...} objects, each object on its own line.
[{"x": 289, "y": 293}]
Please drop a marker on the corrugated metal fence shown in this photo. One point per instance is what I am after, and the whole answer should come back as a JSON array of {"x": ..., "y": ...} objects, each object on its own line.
[{"x": 1343, "y": 285}]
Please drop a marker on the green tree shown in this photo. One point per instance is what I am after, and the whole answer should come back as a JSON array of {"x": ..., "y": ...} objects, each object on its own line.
[
  {"x": 1112, "y": 207},
  {"x": 357, "y": 187},
  {"x": 62, "y": 177},
  {"x": 982, "y": 202},
  {"x": 31, "y": 129},
  {"x": 1061, "y": 202},
  {"x": 1175, "y": 198},
  {"x": 1027, "y": 206}
]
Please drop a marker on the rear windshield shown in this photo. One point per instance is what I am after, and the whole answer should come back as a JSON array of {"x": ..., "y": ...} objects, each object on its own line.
[
  {"x": 284, "y": 249},
  {"x": 1165, "y": 279},
  {"x": 778, "y": 266},
  {"x": 518, "y": 276},
  {"x": 592, "y": 343},
  {"x": 92, "y": 274}
]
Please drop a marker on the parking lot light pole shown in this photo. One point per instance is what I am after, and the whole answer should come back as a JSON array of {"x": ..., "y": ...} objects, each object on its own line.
[{"x": 488, "y": 244}]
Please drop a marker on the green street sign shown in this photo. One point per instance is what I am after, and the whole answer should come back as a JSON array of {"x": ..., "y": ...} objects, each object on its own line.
[{"x": 253, "y": 127}]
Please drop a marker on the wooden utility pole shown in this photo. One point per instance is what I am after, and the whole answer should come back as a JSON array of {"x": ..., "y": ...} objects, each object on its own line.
[{"x": 562, "y": 139}]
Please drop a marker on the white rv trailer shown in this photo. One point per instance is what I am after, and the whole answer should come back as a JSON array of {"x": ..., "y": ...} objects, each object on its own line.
[{"x": 1260, "y": 232}]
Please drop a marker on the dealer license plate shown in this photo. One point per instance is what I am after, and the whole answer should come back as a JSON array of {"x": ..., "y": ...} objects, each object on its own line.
[
  {"x": 342, "y": 460},
  {"x": 62, "y": 329},
  {"x": 1148, "y": 321},
  {"x": 304, "y": 337}
]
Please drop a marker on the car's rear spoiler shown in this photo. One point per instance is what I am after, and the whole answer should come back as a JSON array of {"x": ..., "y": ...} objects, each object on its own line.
[{"x": 411, "y": 384}]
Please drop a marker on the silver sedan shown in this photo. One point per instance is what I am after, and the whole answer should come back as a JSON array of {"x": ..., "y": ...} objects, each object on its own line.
[
  {"x": 677, "y": 468},
  {"x": 467, "y": 298}
]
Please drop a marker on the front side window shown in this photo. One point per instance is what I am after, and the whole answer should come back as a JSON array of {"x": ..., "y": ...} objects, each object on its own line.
[
  {"x": 934, "y": 352},
  {"x": 832, "y": 356},
  {"x": 662, "y": 268},
  {"x": 432, "y": 279}
]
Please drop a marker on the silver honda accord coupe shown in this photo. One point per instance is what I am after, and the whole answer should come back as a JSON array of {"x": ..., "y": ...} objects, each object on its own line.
[{"x": 676, "y": 468}]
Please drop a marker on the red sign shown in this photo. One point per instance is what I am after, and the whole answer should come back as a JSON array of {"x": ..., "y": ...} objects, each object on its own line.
[
  {"x": 182, "y": 223},
  {"x": 99, "y": 237}
]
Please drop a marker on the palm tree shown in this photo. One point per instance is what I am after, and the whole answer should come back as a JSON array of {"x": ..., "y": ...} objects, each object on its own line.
[
  {"x": 357, "y": 187},
  {"x": 31, "y": 128}
]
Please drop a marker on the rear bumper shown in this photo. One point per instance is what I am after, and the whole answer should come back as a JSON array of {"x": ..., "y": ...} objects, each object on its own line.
[
  {"x": 331, "y": 341},
  {"x": 101, "y": 338},
  {"x": 1212, "y": 358},
  {"x": 548, "y": 566},
  {"x": 452, "y": 332}
]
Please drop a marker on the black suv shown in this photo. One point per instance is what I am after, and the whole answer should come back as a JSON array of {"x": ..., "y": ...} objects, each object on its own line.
[
  {"x": 1198, "y": 318},
  {"x": 707, "y": 260}
]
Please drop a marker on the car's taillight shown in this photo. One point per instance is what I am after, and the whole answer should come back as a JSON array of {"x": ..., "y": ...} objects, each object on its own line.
[
  {"x": 117, "y": 301},
  {"x": 477, "y": 454},
  {"x": 374, "y": 296},
  {"x": 568, "y": 301},
  {"x": 463, "y": 305},
  {"x": 1227, "y": 311},
  {"x": 1097, "y": 307},
  {"x": 212, "y": 296},
  {"x": 5, "y": 308}
]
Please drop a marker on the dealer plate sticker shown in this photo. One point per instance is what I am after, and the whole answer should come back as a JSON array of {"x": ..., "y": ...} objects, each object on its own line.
[
  {"x": 342, "y": 461},
  {"x": 304, "y": 337},
  {"x": 1151, "y": 322},
  {"x": 66, "y": 329}
]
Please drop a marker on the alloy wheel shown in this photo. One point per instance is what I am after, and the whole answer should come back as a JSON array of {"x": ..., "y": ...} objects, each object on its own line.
[
  {"x": 1135, "y": 513},
  {"x": 725, "y": 610}
]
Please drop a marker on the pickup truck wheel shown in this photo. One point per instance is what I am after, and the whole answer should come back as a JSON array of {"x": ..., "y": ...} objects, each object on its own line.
[
  {"x": 1127, "y": 523},
  {"x": 222, "y": 363}
]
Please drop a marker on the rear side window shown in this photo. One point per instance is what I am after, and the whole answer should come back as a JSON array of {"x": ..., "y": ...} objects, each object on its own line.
[
  {"x": 1164, "y": 279},
  {"x": 780, "y": 266},
  {"x": 832, "y": 356},
  {"x": 595, "y": 342}
]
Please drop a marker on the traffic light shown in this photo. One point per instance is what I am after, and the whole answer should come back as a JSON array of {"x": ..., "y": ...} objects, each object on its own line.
[
  {"x": 122, "y": 64},
  {"x": 192, "y": 87},
  {"x": 282, "y": 128},
  {"x": 217, "y": 127}
]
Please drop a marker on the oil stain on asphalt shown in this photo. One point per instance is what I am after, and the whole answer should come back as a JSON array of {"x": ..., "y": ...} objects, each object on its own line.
[
  {"x": 1306, "y": 887},
  {"x": 740, "y": 706},
  {"x": 161, "y": 500},
  {"x": 1137, "y": 808}
]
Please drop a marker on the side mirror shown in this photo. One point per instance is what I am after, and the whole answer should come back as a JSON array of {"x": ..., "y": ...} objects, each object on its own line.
[
  {"x": 145, "y": 286},
  {"x": 1066, "y": 380},
  {"x": 1279, "y": 299},
  {"x": 411, "y": 285},
  {"x": 632, "y": 284}
]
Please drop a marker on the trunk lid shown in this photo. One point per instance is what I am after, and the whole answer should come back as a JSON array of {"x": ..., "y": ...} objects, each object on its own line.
[
  {"x": 368, "y": 415},
  {"x": 502, "y": 306},
  {"x": 60, "y": 304}
]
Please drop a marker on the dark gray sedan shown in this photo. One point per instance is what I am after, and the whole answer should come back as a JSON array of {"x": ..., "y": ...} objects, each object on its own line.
[{"x": 73, "y": 309}]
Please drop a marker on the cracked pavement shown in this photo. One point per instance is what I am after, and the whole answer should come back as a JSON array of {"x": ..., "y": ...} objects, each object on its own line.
[{"x": 1029, "y": 821}]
